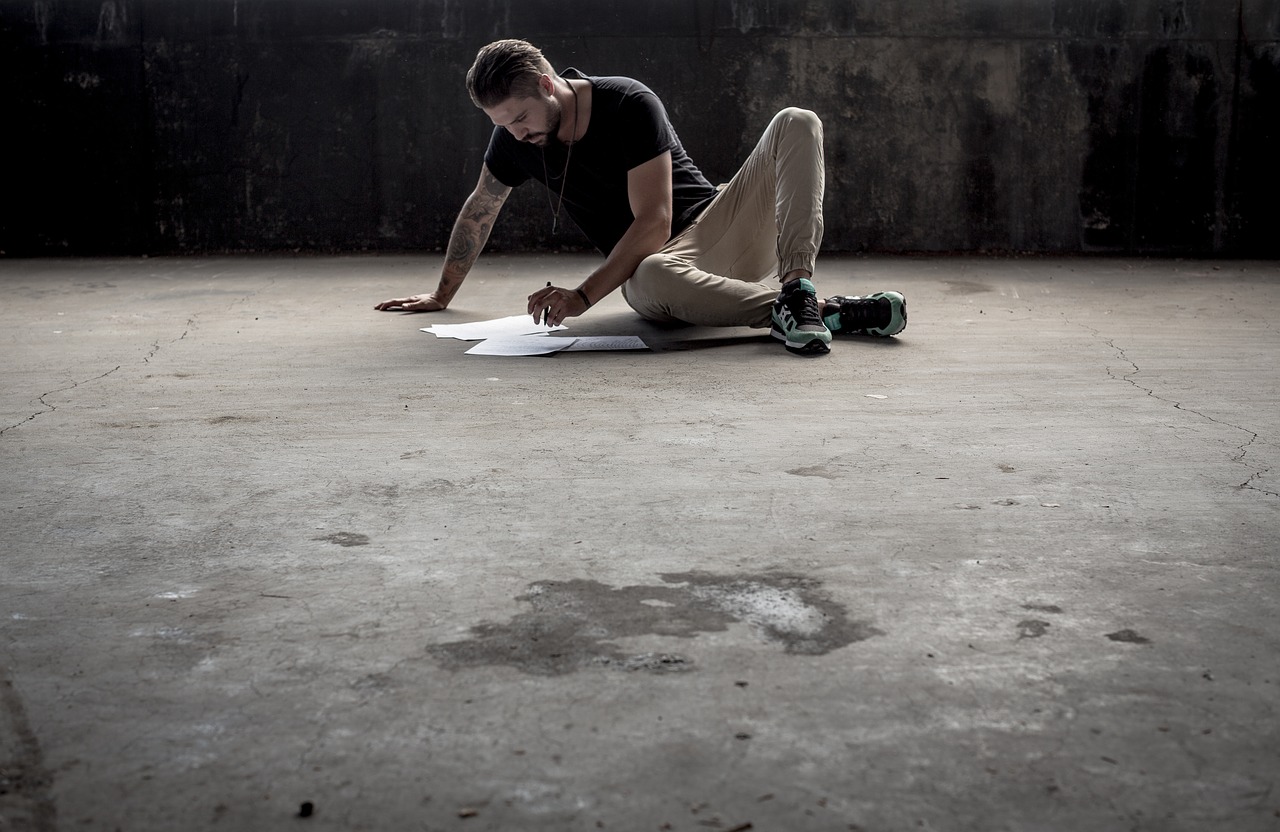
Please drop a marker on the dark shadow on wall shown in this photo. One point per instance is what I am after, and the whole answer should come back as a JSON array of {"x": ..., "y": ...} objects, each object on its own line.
[
  {"x": 78, "y": 136},
  {"x": 1150, "y": 174},
  {"x": 1253, "y": 174},
  {"x": 156, "y": 126},
  {"x": 1175, "y": 163}
]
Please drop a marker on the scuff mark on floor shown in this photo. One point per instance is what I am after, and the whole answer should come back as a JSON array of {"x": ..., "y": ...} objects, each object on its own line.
[
  {"x": 25, "y": 783},
  {"x": 345, "y": 539}
]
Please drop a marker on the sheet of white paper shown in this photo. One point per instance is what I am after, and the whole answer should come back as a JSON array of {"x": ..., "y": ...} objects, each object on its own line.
[
  {"x": 606, "y": 342},
  {"x": 543, "y": 345},
  {"x": 520, "y": 345},
  {"x": 480, "y": 330}
]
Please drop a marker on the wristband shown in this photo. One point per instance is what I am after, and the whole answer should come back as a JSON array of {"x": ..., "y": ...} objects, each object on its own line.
[{"x": 584, "y": 297}]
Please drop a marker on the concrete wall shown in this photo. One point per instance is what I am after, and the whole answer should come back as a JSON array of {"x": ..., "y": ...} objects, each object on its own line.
[{"x": 1041, "y": 125}]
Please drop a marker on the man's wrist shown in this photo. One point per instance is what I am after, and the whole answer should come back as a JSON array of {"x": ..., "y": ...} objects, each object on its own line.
[
  {"x": 446, "y": 289},
  {"x": 585, "y": 300}
]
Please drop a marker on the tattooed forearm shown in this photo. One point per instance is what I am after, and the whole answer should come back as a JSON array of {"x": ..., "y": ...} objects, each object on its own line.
[
  {"x": 478, "y": 210},
  {"x": 471, "y": 231},
  {"x": 464, "y": 244}
]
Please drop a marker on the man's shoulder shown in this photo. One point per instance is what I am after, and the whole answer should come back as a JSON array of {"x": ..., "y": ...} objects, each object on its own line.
[{"x": 618, "y": 85}]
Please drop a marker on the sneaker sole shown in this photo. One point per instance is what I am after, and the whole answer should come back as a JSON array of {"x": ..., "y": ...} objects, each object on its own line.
[{"x": 814, "y": 346}]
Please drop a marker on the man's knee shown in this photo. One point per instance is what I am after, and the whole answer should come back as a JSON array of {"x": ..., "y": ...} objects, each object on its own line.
[
  {"x": 657, "y": 272},
  {"x": 649, "y": 288},
  {"x": 796, "y": 118}
]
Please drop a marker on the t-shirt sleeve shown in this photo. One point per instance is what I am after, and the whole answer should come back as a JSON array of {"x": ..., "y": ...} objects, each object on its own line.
[
  {"x": 645, "y": 124},
  {"x": 500, "y": 162}
]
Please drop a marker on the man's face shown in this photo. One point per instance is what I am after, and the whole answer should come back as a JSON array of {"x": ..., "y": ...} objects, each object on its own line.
[{"x": 534, "y": 120}]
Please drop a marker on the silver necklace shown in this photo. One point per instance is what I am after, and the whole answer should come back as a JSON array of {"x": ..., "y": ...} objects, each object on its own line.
[{"x": 564, "y": 175}]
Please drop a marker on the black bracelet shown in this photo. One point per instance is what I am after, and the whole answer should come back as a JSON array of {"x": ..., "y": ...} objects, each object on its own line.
[{"x": 584, "y": 297}]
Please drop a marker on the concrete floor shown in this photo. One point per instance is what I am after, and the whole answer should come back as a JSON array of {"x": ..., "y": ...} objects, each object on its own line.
[{"x": 265, "y": 547}]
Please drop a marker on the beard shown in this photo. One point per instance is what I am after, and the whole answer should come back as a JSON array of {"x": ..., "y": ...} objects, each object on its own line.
[{"x": 554, "y": 119}]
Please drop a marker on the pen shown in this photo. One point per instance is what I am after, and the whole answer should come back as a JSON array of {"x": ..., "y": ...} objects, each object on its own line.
[{"x": 546, "y": 311}]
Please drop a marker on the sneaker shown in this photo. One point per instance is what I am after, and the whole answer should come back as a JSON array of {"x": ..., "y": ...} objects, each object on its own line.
[
  {"x": 797, "y": 322},
  {"x": 881, "y": 314}
]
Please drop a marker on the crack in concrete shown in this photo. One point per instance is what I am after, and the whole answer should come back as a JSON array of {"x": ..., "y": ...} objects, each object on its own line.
[
  {"x": 1242, "y": 449},
  {"x": 155, "y": 345},
  {"x": 1248, "y": 484},
  {"x": 48, "y": 408},
  {"x": 271, "y": 281}
]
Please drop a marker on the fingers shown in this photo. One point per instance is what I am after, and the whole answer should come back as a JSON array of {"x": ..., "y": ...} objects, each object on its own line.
[
  {"x": 539, "y": 302},
  {"x": 539, "y": 299},
  {"x": 557, "y": 311},
  {"x": 553, "y": 305},
  {"x": 417, "y": 303},
  {"x": 546, "y": 315}
]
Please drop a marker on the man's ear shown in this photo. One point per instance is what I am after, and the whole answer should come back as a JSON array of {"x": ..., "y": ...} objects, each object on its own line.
[{"x": 546, "y": 84}]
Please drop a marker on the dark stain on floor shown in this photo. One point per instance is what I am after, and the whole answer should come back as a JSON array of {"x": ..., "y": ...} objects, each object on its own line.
[
  {"x": 571, "y": 625},
  {"x": 1032, "y": 628},
  {"x": 345, "y": 539},
  {"x": 1128, "y": 636}
]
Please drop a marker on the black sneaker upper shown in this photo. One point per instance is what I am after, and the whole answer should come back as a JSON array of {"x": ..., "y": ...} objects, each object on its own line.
[
  {"x": 863, "y": 313},
  {"x": 799, "y": 299}
]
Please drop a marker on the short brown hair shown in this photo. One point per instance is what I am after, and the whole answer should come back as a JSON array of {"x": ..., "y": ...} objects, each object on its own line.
[{"x": 505, "y": 68}]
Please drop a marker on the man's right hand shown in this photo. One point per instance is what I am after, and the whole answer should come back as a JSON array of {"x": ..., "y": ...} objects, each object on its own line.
[{"x": 417, "y": 303}]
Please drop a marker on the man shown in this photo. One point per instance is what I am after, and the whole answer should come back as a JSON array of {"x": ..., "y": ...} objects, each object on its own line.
[{"x": 680, "y": 249}]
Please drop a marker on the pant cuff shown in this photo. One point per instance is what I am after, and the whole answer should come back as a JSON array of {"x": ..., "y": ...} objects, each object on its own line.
[{"x": 796, "y": 261}]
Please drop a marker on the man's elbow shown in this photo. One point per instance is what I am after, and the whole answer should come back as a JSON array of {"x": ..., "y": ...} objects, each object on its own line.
[{"x": 658, "y": 228}]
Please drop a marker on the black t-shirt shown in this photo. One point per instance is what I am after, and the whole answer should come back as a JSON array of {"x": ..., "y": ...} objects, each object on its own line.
[{"x": 628, "y": 127}]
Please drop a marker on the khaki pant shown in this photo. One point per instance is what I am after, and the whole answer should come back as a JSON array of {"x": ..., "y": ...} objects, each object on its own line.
[{"x": 764, "y": 223}]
